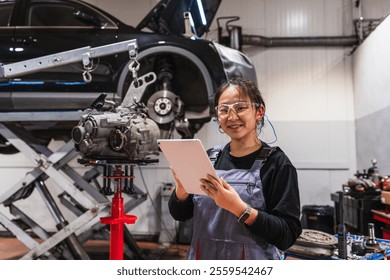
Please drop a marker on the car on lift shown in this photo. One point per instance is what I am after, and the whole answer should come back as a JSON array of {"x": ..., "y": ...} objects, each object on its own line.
[{"x": 170, "y": 42}]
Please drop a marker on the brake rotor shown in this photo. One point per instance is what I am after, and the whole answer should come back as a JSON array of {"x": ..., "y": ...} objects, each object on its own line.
[{"x": 161, "y": 106}]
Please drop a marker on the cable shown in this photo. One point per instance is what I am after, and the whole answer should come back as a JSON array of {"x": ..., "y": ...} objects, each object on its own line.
[{"x": 261, "y": 131}]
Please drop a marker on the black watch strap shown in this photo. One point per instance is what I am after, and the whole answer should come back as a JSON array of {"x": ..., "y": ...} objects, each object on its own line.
[{"x": 244, "y": 216}]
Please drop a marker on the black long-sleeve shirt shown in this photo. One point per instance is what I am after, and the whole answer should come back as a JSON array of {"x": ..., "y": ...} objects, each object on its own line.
[{"x": 279, "y": 224}]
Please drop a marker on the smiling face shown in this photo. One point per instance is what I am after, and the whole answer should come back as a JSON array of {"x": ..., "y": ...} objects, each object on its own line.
[{"x": 239, "y": 126}]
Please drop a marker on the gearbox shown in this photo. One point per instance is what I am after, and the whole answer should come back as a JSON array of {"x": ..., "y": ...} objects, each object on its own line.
[{"x": 124, "y": 134}]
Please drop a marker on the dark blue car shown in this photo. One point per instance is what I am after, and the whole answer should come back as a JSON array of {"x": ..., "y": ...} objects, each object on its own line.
[{"x": 188, "y": 67}]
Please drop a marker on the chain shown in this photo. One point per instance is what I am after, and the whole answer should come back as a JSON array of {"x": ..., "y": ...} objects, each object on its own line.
[
  {"x": 88, "y": 65},
  {"x": 134, "y": 67}
]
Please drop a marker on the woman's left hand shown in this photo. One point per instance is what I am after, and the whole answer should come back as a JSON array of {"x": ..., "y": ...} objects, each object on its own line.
[{"x": 224, "y": 195}]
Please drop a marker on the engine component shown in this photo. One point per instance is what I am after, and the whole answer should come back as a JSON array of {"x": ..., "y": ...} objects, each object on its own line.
[
  {"x": 357, "y": 248},
  {"x": 365, "y": 184},
  {"x": 314, "y": 243},
  {"x": 371, "y": 243},
  {"x": 163, "y": 106},
  {"x": 124, "y": 134}
]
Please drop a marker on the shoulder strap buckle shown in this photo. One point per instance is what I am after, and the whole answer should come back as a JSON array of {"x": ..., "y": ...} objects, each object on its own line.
[
  {"x": 265, "y": 152},
  {"x": 214, "y": 153}
]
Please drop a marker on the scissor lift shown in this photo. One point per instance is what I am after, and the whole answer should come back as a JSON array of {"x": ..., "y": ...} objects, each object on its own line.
[{"x": 81, "y": 194}]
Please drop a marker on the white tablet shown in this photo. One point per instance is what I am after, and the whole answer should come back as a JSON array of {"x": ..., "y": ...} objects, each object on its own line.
[{"x": 189, "y": 160}]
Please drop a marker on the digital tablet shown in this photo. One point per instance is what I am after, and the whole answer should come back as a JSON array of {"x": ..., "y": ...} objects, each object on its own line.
[{"x": 189, "y": 160}]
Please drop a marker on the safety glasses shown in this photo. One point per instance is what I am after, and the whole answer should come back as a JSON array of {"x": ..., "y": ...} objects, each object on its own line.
[{"x": 240, "y": 108}]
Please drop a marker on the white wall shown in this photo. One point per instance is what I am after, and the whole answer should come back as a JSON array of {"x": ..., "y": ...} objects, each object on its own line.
[
  {"x": 308, "y": 92},
  {"x": 372, "y": 98}
]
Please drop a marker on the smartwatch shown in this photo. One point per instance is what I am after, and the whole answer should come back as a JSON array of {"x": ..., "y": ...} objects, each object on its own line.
[{"x": 244, "y": 216}]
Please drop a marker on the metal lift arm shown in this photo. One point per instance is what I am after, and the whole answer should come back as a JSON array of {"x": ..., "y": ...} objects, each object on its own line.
[{"x": 84, "y": 54}]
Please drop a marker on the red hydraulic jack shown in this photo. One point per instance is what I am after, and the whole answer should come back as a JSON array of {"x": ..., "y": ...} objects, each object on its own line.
[{"x": 118, "y": 217}]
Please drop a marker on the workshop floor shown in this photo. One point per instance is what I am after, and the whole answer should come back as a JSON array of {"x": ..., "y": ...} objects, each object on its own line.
[{"x": 12, "y": 248}]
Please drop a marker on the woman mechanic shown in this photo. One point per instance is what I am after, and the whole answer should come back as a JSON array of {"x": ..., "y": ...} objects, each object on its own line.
[{"x": 252, "y": 211}]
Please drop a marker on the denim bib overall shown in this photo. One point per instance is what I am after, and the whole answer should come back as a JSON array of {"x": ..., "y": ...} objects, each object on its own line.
[{"x": 217, "y": 233}]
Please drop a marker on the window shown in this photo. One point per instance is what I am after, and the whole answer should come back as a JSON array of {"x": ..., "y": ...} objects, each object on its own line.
[
  {"x": 61, "y": 14},
  {"x": 5, "y": 13}
]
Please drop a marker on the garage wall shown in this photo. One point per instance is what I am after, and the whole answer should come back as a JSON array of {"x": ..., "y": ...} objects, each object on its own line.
[
  {"x": 309, "y": 94},
  {"x": 372, "y": 97}
]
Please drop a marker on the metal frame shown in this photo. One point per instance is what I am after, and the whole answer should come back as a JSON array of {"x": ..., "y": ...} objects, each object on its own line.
[
  {"x": 80, "y": 197},
  {"x": 83, "y": 54}
]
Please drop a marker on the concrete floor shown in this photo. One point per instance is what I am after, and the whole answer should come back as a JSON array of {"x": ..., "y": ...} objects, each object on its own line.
[{"x": 12, "y": 249}]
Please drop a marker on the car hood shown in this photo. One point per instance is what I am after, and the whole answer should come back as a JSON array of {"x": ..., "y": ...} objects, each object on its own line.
[{"x": 167, "y": 16}]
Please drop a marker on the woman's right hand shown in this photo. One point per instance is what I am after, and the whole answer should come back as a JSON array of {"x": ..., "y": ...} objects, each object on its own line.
[{"x": 181, "y": 193}]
